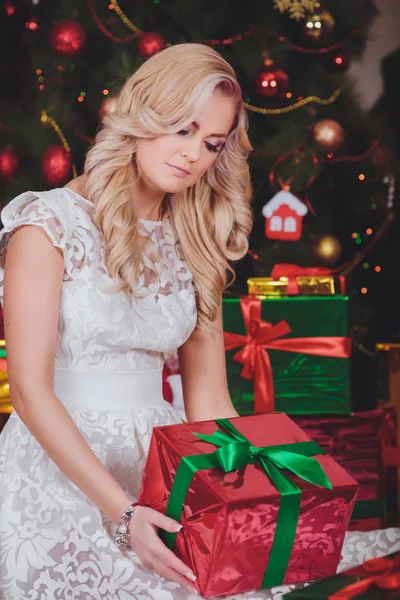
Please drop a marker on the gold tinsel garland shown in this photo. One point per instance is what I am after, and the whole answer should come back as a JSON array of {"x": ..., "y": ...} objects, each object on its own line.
[
  {"x": 124, "y": 18},
  {"x": 280, "y": 5},
  {"x": 45, "y": 118},
  {"x": 299, "y": 104}
]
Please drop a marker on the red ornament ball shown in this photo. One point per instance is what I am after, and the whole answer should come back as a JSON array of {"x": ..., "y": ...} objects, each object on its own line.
[
  {"x": 9, "y": 164},
  {"x": 339, "y": 61},
  {"x": 149, "y": 44},
  {"x": 10, "y": 8},
  {"x": 32, "y": 24},
  {"x": 68, "y": 38},
  {"x": 56, "y": 165},
  {"x": 271, "y": 83}
]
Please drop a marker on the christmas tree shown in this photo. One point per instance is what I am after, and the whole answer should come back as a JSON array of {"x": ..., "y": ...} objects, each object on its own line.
[{"x": 323, "y": 172}]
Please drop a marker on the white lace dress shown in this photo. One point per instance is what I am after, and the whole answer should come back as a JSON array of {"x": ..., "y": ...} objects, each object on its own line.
[{"x": 55, "y": 544}]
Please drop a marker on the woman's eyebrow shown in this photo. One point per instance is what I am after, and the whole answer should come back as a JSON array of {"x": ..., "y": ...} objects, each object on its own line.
[{"x": 220, "y": 135}]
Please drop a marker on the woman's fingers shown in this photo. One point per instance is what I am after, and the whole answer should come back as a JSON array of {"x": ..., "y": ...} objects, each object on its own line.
[
  {"x": 152, "y": 552},
  {"x": 166, "y": 523},
  {"x": 161, "y": 551},
  {"x": 167, "y": 557},
  {"x": 170, "y": 574}
]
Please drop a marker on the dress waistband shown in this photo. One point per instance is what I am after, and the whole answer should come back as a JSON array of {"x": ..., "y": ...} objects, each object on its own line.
[{"x": 109, "y": 390}]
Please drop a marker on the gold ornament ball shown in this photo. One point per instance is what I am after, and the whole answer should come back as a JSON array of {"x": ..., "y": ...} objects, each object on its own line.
[
  {"x": 327, "y": 250},
  {"x": 328, "y": 134},
  {"x": 318, "y": 27},
  {"x": 107, "y": 106}
]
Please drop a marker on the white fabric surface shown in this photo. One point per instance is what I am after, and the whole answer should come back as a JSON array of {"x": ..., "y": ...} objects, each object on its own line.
[{"x": 55, "y": 544}]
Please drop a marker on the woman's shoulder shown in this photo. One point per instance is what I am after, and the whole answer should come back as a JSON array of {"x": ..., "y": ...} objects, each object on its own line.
[
  {"x": 61, "y": 204},
  {"x": 62, "y": 214}
]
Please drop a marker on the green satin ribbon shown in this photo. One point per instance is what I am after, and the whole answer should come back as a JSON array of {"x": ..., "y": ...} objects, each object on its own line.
[{"x": 234, "y": 452}]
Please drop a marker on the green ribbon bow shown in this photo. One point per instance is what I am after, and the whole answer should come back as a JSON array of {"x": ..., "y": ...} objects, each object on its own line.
[{"x": 236, "y": 451}]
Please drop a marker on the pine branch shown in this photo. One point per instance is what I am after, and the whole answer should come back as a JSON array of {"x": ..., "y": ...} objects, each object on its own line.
[{"x": 296, "y": 8}]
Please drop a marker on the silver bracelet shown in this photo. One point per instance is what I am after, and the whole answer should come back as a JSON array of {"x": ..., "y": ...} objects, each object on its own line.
[{"x": 122, "y": 534}]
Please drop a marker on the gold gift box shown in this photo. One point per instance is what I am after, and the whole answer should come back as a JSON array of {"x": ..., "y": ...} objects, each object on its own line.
[
  {"x": 389, "y": 360},
  {"x": 5, "y": 401},
  {"x": 307, "y": 286},
  {"x": 388, "y": 390}
]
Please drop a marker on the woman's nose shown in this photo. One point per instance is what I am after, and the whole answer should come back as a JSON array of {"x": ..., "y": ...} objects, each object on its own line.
[{"x": 191, "y": 151}]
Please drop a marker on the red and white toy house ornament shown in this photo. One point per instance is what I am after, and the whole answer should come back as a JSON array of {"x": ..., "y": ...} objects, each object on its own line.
[{"x": 284, "y": 217}]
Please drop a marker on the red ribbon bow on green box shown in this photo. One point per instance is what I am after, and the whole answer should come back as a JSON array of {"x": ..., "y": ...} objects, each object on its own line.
[{"x": 260, "y": 336}]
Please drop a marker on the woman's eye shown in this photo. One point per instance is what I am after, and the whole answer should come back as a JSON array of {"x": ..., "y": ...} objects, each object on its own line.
[{"x": 212, "y": 148}]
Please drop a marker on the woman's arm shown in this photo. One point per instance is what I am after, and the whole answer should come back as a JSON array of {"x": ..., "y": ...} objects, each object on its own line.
[
  {"x": 32, "y": 283},
  {"x": 203, "y": 370}
]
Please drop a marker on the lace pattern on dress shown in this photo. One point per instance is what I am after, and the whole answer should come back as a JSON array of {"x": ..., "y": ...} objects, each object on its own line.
[{"x": 100, "y": 328}]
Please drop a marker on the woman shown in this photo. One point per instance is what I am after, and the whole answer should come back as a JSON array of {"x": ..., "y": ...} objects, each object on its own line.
[{"x": 126, "y": 263}]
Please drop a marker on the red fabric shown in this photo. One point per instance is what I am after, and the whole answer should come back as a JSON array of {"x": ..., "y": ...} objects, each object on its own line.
[{"x": 166, "y": 388}]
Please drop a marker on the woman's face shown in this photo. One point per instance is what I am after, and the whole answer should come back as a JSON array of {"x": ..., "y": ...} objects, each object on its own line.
[{"x": 173, "y": 162}]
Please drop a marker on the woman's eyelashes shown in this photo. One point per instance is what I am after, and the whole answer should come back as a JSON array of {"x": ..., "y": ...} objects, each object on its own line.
[{"x": 210, "y": 147}]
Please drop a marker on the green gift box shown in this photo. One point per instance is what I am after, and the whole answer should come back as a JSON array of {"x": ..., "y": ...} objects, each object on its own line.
[{"x": 288, "y": 354}]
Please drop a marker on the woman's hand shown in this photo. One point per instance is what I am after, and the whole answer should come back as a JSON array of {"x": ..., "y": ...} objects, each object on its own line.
[{"x": 151, "y": 551}]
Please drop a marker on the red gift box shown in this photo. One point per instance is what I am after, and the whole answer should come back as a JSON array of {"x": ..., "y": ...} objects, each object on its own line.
[
  {"x": 360, "y": 443},
  {"x": 237, "y": 526}
]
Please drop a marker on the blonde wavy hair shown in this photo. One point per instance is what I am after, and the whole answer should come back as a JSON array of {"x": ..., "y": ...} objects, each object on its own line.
[{"x": 212, "y": 219}]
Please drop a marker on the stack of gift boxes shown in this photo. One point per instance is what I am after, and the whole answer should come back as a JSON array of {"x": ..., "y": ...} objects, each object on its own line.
[
  {"x": 289, "y": 349},
  {"x": 265, "y": 499},
  {"x": 256, "y": 509}
]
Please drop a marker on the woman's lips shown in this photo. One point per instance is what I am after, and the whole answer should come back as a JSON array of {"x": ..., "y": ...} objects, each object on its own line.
[{"x": 179, "y": 172}]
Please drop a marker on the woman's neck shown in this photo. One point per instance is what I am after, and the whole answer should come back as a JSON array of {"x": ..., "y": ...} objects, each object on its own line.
[{"x": 145, "y": 207}]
